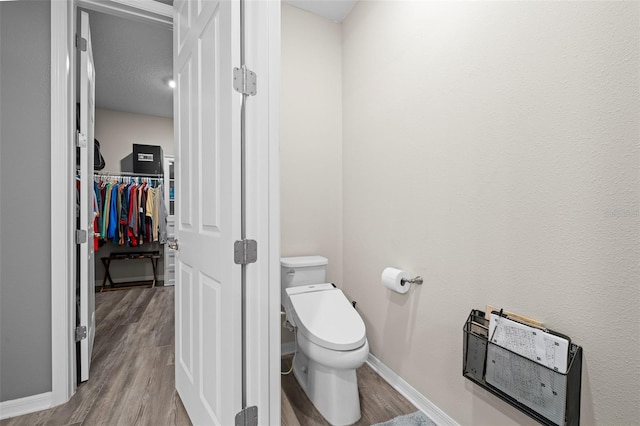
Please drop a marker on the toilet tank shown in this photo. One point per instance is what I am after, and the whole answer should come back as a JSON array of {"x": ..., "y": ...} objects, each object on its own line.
[{"x": 301, "y": 270}]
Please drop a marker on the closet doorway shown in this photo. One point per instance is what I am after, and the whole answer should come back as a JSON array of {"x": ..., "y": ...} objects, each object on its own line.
[
  {"x": 204, "y": 89},
  {"x": 131, "y": 189}
]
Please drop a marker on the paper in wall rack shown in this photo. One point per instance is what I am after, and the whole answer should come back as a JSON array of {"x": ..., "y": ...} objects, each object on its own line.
[{"x": 534, "y": 369}]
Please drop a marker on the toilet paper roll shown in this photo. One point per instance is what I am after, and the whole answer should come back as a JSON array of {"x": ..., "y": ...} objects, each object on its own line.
[{"x": 392, "y": 279}]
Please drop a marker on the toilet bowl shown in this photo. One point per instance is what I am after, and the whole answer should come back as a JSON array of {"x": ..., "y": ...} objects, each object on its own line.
[{"x": 331, "y": 345}]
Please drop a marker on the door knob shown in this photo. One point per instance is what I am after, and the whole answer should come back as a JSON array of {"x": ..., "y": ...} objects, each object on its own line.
[{"x": 173, "y": 245}]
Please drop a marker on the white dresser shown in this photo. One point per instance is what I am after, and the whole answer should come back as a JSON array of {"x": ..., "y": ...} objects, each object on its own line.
[{"x": 169, "y": 196}]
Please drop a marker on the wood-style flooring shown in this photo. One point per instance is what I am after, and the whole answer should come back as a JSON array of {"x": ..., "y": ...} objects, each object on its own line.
[
  {"x": 132, "y": 374},
  {"x": 379, "y": 402},
  {"x": 132, "y": 367}
]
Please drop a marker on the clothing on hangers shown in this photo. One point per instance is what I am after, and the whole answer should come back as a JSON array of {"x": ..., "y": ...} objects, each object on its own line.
[{"x": 128, "y": 209}]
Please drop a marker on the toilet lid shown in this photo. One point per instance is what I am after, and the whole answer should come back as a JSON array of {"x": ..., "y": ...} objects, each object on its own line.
[{"x": 327, "y": 319}]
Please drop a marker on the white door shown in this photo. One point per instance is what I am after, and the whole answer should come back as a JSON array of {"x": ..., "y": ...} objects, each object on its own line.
[
  {"x": 87, "y": 264},
  {"x": 207, "y": 131}
]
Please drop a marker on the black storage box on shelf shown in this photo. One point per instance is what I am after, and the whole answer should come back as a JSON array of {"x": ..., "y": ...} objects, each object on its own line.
[
  {"x": 147, "y": 159},
  {"x": 548, "y": 396}
]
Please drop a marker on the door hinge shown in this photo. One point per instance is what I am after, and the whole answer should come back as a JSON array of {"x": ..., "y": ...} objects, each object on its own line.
[
  {"x": 245, "y": 252},
  {"x": 245, "y": 81},
  {"x": 247, "y": 417},
  {"x": 81, "y": 332},
  {"x": 81, "y": 140},
  {"x": 81, "y": 43},
  {"x": 81, "y": 236}
]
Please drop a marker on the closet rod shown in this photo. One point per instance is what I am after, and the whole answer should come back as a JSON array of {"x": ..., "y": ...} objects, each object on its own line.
[{"x": 116, "y": 174}]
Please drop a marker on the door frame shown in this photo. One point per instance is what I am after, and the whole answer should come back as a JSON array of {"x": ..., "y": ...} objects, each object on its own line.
[
  {"x": 63, "y": 276},
  {"x": 263, "y": 192}
]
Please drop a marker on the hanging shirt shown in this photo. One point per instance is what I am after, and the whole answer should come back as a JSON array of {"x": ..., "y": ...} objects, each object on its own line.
[
  {"x": 106, "y": 212},
  {"x": 149, "y": 213},
  {"x": 113, "y": 214},
  {"x": 133, "y": 216},
  {"x": 98, "y": 223},
  {"x": 157, "y": 198},
  {"x": 142, "y": 201},
  {"x": 150, "y": 201},
  {"x": 103, "y": 199},
  {"x": 124, "y": 214},
  {"x": 162, "y": 218},
  {"x": 96, "y": 213}
]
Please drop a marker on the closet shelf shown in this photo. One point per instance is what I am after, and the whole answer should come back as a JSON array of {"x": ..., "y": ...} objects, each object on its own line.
[{"x": 129, "y": 174}]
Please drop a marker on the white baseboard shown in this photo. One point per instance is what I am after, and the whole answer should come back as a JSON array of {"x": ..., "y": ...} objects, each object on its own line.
[
  {"x": 287, "y": 348},
  {"x": 26, "y": 405},
  {"x": 413, "y": 396}
]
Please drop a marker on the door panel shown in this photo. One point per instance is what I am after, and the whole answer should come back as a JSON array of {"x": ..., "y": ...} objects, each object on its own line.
[
  {"x": 185, "y": 319},
  {"x": 210, "y": 357},
  {"x": 209, "y": 150},
  {"x": 208, "y": 303},
  {"x": 185, "y": 124},
  {"x": 87, "y": 214}
]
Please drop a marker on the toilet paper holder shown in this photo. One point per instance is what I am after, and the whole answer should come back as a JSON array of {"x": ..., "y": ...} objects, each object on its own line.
[{"x": 417, "y": 280}]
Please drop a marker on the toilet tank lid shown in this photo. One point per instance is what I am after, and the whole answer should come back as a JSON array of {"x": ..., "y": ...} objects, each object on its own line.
[{"x": 303, "y": 261}]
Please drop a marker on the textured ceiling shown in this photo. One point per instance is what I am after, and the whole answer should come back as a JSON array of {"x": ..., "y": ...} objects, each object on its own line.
[
  {"x": 335, "y": 10},
  {"x": 133, "y": 62}
]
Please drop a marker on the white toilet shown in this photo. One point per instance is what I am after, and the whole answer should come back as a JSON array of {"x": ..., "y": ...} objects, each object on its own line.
[{"x": 331, "y": 338}]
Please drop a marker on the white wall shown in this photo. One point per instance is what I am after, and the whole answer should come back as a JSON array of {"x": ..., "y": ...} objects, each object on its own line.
[
  {"x": 311, "y": 141},
  {"x": 492, "y": 147},
  {"x": 117, "y": 131}
]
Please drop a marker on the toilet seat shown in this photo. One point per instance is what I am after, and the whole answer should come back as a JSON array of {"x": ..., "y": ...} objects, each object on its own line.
[{"x": 325, "y": 317}]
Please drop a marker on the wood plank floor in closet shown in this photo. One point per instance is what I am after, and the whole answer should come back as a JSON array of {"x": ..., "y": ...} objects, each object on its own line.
[{"x": 132, "y": 373}]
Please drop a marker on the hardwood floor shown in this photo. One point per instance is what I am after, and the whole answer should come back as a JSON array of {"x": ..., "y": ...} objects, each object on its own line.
[
  {"x": 379, "y": 402},
  {"x": 132, "y": 371},
  {"x": 132, "y": 374}
]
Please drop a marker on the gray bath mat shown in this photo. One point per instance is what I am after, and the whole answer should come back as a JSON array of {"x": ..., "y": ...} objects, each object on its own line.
[{"x": 414, "y": 419}]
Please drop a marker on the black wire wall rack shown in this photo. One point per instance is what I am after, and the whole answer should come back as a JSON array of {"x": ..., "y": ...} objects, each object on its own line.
[{"x": 548, "y": 396}]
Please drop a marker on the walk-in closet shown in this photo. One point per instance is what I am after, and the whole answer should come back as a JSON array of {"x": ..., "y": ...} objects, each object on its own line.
[{"x": 129, "y": 172}]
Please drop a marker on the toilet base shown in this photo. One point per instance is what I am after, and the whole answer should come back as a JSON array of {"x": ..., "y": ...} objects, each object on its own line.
[{"x": 334, "y": 392}]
